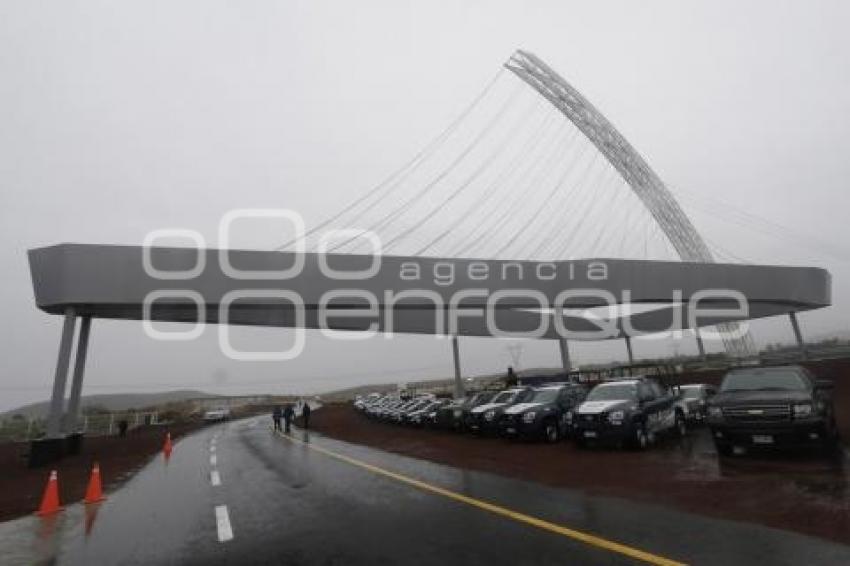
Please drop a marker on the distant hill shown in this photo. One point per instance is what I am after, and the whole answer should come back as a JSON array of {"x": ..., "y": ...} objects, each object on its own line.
[{"x": 114, "y": 402}]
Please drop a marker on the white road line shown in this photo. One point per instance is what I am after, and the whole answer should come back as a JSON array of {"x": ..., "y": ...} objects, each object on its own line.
[
  {"x": 222, "y": 522},
  {"x": 213, "y": 460},
  {"x": 215, "y": 478},
  {"x": 212, "y": 448}
]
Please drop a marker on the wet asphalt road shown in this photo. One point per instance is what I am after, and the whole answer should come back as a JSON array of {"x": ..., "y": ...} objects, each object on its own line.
[{"x": 289, "y": 503}]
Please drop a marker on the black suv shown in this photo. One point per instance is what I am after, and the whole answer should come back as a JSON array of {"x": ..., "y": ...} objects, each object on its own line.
[
  {"x": 772, "y": 406},
  {"x": 627, "y": 411},
  {"x": 544, "y": 414}
]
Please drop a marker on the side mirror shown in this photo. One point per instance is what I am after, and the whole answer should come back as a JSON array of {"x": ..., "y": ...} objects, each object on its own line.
[{"x": 824, "y": 384}]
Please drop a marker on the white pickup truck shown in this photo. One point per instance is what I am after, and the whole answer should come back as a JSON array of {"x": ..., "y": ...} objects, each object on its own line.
[{"x": 217, "y": 415}]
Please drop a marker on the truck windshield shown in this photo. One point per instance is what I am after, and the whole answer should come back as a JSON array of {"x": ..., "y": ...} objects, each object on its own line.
[
  {"x": 612, "y": 392},
  {"x": 782, "y": 380},
  {"x": 480, "y": 398},
  {"x": 545, "y": 395},
  {"x": 691, "y": 392},
  {"x": 504, "y": 397}
]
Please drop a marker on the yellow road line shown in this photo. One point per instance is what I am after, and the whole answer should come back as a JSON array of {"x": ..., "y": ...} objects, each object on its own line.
[{"x": 586, "y": 538}]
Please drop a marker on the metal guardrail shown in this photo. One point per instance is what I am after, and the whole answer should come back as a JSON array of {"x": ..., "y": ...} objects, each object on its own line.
[{"x": 101, "y": 424}]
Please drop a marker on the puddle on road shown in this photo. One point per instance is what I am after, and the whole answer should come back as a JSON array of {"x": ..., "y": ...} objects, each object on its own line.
[
  {"x": 824, "y": 479},
  {"x": 36, "y": 540}
]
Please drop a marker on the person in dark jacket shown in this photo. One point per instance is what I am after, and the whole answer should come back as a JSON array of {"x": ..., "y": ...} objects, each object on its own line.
[
  {"x": 511, "y": 379},
  {"x": 288, "y": 415},
  {"x": 276, "y": 415},
  {"x": 305, "y": 413}
]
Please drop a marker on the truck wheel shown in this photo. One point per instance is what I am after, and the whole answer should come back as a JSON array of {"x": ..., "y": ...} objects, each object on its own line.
[
  {"x": 723, "y": 448},
  {"x": 830, "y": 440},
  {"x": 641, "y": 438},
  {"x": 681, "y": 425},
  {"x": 551, "y": 432}
]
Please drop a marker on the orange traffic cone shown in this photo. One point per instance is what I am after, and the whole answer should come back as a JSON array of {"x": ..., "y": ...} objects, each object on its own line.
[
  {"x": 50, "y": 499},
  {"x": 166, "y": 449},
  {"x": 94, "y": 492}
]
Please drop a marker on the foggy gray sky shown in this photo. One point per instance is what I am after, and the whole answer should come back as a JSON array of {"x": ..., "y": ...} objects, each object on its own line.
[{"x": 119, "y": 118}]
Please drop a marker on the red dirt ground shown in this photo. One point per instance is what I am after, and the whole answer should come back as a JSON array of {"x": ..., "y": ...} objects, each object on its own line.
[{"x": 119, "y": 458}]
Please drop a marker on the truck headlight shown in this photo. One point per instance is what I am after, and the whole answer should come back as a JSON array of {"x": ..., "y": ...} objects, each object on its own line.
[
  {"x": 489, "y": 415},
  {"x": 716, "y": 412},
  {"x": 803, "y": 410},
  {"x": 616, "y": 417},
  {"x": 529, "y": 417}
]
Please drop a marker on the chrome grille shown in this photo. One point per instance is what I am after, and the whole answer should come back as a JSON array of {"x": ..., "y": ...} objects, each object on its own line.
[{"x": 758, "y": 413}]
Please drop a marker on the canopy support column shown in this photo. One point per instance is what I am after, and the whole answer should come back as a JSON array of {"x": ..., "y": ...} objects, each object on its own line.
[
  {"x": 57, "y": 400},
  {"x": 629, "y": 350},
  {"x": 804, "y": 353},
  {"x": 459, "y": 390},
  {"x": 73, "y": 414},
  {"x": 565, "y": 355},
  {"x": 700, "y": 345}
]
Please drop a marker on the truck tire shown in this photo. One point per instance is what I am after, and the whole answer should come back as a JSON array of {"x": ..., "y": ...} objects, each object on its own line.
[
  {"x": 723, "y": 448},
  {"x": 640, "y": 438},
  {"x": 551, "y": 433},
  {"x": 830, "y": 439},
  {"x": 681, "y": 426}
]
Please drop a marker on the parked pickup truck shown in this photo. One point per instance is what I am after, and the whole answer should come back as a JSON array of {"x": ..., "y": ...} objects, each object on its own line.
[
  {"x": 544, "y": 414},
  {"x": 454, "y": 415},
  {"x": 772, "y": 406},
  {"x": 216, "y": 415},
  {"x": 694, "y": 401},
  {"x": 485, "y": 418},
  {"x": 627, "y": 412}
]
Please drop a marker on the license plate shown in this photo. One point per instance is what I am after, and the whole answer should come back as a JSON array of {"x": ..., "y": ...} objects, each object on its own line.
[
  {"x": 511, "y": 430},
  {"x": 590, "y": 434},
  {"x": 762, "y": 439}
]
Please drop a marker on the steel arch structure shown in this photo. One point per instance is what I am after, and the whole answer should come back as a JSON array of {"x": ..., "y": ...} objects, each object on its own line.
[{"x": 634, "y": 169}]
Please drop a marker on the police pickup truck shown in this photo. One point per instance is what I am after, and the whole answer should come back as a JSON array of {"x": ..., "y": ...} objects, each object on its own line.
[
  {"x": 485, "y": 418},
  {"x": 454, "y": 415},
  {"x": 627, "y": 412},
  {"x": 544, "y": 414}
]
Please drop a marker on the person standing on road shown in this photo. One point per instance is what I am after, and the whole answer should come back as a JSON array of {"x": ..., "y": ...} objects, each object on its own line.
[
  {"x": 288, "y": 414},
  {"x": 276, "y": 414},
  {"x": 305, "y": 414}
]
